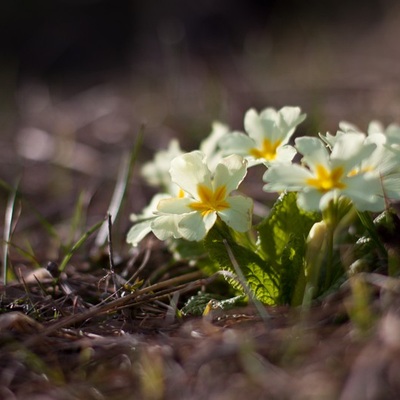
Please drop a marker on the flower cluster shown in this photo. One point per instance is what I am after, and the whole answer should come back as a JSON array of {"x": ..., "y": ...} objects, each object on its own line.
[
  {"x": 198, "y": 187},
  {"x": 363, "y": 168}
]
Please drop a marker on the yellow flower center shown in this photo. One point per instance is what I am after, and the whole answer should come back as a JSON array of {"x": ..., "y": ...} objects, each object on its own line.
[
  {"x": 267, "y": 151},
  {"x": 326, "y": 180},
  {"x": 210, "y": 200}
]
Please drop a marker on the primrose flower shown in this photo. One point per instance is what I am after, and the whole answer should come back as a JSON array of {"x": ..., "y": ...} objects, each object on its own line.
[
  {"x": 209, "y": 146},
  {"x": 156, "y": 172},
  {"x": 207, "y": 197},
  {"x": 142, "y": 222},
  {"x": 384, "y": 159},
  {"x": 326, "y": 176},
  {"x": 391, "y": 132},
  {"x": 268, "y": 135}
]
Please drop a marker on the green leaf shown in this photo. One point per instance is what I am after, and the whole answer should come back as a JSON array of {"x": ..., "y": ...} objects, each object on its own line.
[
  {"x": 260, "y": 277},
  {"x": 285, "y": 221},
  {"x": 371, "y": 226},
  {"x": 292, "y": 276},
  {"x": 197, "y": 304}
]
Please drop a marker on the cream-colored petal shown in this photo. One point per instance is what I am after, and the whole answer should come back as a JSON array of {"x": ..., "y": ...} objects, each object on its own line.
[
  {"x": 166, "y": 226},
  {"x": 138, "y": 232},
  {"x": 230, "y": 172},
  {"x": 194, "y": 226},
  {"x": 189, "y": 170},
  {"x": 237, "y": 143},
  {"x": 239, "y": 214},
  {"x": 314, "y": 151},
  {"x": 174, "y": 205},
  {"x": 290, "y": 177}
]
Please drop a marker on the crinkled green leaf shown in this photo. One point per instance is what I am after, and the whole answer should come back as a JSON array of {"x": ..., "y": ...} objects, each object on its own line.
[
  {"x": 196, "y": 304},
  {"x": 257, "y": 272},
  {"x": 292, "y": 277},
  {"x": 284, "y": 221}
]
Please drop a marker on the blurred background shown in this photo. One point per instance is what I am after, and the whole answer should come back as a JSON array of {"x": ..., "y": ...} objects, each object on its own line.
[{"x": 78, "y": 78}]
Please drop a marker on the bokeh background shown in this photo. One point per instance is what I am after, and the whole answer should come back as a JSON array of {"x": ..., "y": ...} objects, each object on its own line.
[{"x": 78, "y": 78}]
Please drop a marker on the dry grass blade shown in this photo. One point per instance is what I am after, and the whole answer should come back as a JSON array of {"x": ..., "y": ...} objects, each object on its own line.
[
  {"x": 123, "y": 179},
  {"x": 259, "y": 307},
  {"x": 152, "y": 291}
]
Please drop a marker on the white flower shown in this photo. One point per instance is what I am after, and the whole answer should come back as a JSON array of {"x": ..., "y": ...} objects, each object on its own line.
[
  {"x": 210, "y": 145},
  {"x": 142, "y": 222},
  {"x": 268, "y": 135},
  {"x": 156, "y": 172},
  {"x": 207, "y": 197},
  {"x": 384, "y": 160},
  {"x": 326, "y": 176}
]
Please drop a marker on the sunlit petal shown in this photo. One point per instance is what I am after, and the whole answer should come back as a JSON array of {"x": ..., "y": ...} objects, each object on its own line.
[
  {"x": 230, "y": 172},
  {"x": 350, "y": 149},
  {"x": 257, "y": 128},
  {"x": 285, "y": 154},
  {"x": 309, "y": 200},
  {"x": 286, "y": 177},
  {"x": 314, "y": 151},
  {"x": 138, "y": 232},
  {"x": 237, "y": 143},
  {"x": 174, "y": 205},
  {"x": 289, "y": 118},
  {"x": 166, "y": 226},
  {"x": 189, "y": 170},
  {"x": 194, "y": 227},
  {"x": 238, "y": 215}
]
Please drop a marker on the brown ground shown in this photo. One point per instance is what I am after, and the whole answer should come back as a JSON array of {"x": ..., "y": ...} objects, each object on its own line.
[{"x": 132, "y": 347}]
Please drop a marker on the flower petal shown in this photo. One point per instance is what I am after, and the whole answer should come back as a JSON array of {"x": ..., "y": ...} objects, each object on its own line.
[
  {"x": 258, "y": 129},
  {"x": 209, "y": 145},
  {"x": 350, "y": 150},
  {"x": 238, "y": 215},
  {"x": 309, "y": 200},
  {"x": 289, "y": 118},
  {"x": 189, "y": 170},
  {"x": 314, "y": 151},
  {"x": 285, "y": 154},
  {"x": 230, "y": 172},
  {"x": 174, "y": 205},
  {"x": 290, "y": 177},
  {"x": 365, "y": 190},
  {"x": 138, "y": 232},
  {"x": 148, "y": 212},
  {"x": 194, "y": 226},
  {"x": 237, "y": 143},
  {"x": 166, "y": 226},
  {"x": 391, "y": 186},
  {"x": 156, "y": 172}
]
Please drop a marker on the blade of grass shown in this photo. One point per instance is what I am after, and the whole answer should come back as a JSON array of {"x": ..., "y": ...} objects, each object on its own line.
[
  {"x": 43, "y": 221},
  {"x": 77, "y": 218},
  {"x": 257, "y": 303},
  {"x": 124, "y": 176},
  {"x": 8, "y": 222},
  {"x": 78, "y": 244},
  {"x": 28, "y": 254}
]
